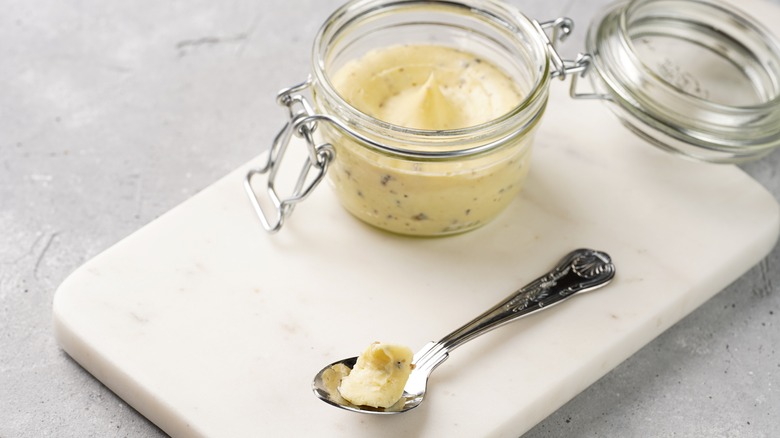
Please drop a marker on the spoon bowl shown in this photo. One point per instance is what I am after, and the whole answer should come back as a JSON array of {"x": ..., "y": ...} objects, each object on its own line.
[{"x": 580, "y": 271}]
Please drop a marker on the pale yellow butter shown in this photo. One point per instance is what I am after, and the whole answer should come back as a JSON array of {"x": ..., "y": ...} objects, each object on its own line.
[
  {"x": 379, "y": 376},
  {"x": 427, "y": 87},
  {"x": 433, "y": 88}
]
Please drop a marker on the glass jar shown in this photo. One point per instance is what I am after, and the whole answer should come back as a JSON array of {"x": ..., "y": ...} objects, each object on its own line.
[
  {"x": 697, "y": 78},
  {"x": 694, "y": 77},
  {"x": 430, "y": 182},
  {"x": 411, "y": 181}
]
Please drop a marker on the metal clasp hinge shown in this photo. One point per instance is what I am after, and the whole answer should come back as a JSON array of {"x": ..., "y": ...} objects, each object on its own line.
[
  {"x": 560, "y": 29},
  {"x": 302, "y": 122}
]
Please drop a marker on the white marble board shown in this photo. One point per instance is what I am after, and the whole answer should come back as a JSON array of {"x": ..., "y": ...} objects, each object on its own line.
[{"x": 210, "y": 327}]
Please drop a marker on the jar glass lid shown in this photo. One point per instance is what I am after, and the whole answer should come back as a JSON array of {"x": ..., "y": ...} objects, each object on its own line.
[{"x": 695, "y": 77}]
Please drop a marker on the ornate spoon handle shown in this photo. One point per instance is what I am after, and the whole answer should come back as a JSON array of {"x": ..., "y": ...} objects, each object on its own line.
[{"x": 580, "y": 271}]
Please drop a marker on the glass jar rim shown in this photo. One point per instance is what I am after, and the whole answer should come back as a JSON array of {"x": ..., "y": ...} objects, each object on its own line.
[{"x": 528, "y": 111}]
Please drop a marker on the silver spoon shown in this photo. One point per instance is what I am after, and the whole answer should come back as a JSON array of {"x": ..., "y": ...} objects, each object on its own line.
[{"x": 581, "y": 270}]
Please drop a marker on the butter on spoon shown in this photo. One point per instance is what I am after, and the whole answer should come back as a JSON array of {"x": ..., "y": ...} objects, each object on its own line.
[
  {"x": 378, "y": 377},
  {"x": 580, "y": 271}
]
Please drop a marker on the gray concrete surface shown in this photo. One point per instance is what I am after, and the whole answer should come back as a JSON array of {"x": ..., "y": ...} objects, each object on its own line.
[{"x": 112, "y": 113}]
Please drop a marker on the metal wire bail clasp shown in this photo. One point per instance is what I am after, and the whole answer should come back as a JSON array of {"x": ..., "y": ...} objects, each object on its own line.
[
  {"x": 302, "y": 123},
  {"x": 560, "y": 29}
]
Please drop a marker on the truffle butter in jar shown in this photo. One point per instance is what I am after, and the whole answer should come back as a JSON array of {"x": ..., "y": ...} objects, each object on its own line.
[{"x": 423, "y": 112}]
